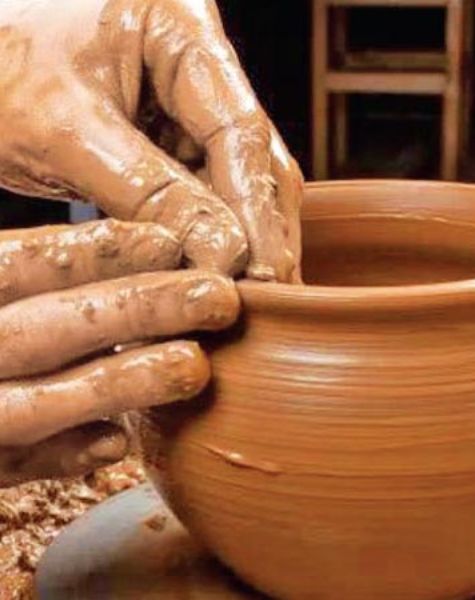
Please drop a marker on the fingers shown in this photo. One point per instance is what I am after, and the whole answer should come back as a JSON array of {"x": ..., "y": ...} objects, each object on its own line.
[
  {"x": 113, "y": 164},
  {"x": 289, "y": 181},
  {"x": 240, "y": 171},
  {"x": 71, "y": 453},
  {"x": 36, "y": 409},
  {"x": 44, "y": 259},
  {"x": 43, "y": 333},
  {"x": 199, "y": 82}
]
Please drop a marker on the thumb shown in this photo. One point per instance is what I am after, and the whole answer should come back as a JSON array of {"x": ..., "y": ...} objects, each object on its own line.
[
  {"x": 70, "y": 453},
  {"x": 108, "y": 161}
]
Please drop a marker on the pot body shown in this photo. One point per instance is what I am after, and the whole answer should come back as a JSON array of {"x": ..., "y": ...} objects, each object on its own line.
[{"x": 336, "y": 458}]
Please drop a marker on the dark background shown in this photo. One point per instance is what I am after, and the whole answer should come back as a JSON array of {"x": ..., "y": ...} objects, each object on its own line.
[{"x": 389, "y": 135}]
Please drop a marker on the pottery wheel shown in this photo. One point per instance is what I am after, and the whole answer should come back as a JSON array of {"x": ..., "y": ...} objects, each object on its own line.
[{"x": 131, "y": 547}]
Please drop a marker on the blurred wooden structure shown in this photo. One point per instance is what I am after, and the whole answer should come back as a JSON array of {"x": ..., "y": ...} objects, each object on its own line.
[{"x": 338, "y": 71}]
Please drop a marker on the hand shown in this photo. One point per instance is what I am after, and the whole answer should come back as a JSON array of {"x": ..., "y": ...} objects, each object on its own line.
[
  {"x": 116, "y": 101},
  {"x": 75, "y": 354}
]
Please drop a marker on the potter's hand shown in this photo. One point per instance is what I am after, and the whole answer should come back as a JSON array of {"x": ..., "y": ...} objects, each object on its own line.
[
  {"x": 77, "y": 306},
  {"x": 74, "y": 83}
]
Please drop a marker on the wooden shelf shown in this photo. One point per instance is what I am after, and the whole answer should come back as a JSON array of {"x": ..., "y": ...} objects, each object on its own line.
[
  {"x": 388, "y": 72},
  {"x": 386, "y": 60},
  {"x": 384, "y": 82}
]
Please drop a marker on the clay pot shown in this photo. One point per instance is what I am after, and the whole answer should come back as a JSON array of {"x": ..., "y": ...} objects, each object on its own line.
[{"x": 336, "y": 457}]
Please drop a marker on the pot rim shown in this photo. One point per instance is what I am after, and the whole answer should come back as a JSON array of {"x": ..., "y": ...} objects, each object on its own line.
[
  {"x": 378, "y": 184},
  {"x": 315, "y": 298}
]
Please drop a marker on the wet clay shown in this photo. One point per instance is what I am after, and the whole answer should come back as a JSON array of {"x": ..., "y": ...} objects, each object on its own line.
[
  {"x": 72, "y": 453},
  {"x": 119, "y": 102},
  {"x": 39, "y": 336},
  {"x": 360, "y": 388},
  {"x": 155, "y": 375},
  {"x": 34, "y": 514},
  {"x": 33, "y": 261},
  {"x": 238, "y": 460},
  {"x": 44, "y": 430}
]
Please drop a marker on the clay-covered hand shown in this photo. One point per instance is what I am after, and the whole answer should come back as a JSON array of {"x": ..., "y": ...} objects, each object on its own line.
[
  {"x": 118, "y": 101},
  {"x": 78, "y": 306}
]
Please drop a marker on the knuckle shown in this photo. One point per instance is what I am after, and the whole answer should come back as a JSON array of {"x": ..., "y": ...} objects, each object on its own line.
[
  {"x": 152, "y": 247},
  {"x": 217, "y": 240},
  {"x": 105, "y": 237}
]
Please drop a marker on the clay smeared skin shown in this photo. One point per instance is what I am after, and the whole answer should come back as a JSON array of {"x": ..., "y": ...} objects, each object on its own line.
[
  {"x": 71, "y": 453},
  {"x": 41, "y": 334},
  {"x": 52, "y": 425},
  {"x": 151, "y": 376},
  {"x": 71, "y": 105},
  {"x": 39, "y": 260}
]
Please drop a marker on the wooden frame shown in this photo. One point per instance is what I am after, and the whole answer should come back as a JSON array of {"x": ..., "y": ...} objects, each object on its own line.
[{"x": 440, "y": 74}]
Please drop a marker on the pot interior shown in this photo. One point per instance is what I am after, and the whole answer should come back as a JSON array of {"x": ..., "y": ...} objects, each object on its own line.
[{"x": 386, "y": 250}]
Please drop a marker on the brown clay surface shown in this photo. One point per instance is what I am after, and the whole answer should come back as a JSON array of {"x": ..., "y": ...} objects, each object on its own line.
[{"x": 336, "y": 458}]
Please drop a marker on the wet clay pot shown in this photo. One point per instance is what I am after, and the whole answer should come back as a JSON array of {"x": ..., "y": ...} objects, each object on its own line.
[{"x": 335, "y": 456}]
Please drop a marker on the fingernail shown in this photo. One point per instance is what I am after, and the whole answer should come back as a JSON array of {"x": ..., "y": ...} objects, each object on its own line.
[
  {"x": 261, "y": 272},
  {"x": 188, "y": 370},
  {"x": 211, "y": 303}
]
